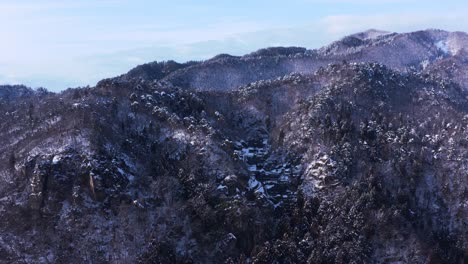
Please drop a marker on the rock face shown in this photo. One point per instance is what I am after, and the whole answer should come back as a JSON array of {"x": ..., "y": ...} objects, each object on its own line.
[{"x": 273, "y": 157}]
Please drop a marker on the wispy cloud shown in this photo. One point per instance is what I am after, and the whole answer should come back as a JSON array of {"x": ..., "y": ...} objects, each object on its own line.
[{"x": 217, "y": 31}]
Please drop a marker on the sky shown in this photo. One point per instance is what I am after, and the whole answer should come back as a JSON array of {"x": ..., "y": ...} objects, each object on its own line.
[{"x": 59, "y": 44}]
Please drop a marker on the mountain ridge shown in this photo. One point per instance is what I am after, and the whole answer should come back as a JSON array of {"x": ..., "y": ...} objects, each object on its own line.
[
  {"x": 423, "y": 48},
  {"x": 284, "y": 155}
]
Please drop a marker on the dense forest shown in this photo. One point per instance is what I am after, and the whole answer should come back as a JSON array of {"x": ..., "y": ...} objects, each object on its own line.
[{"x": 284, "y": 155}]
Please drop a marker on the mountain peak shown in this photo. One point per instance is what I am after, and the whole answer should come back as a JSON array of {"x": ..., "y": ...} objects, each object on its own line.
[{"x": 370, "y": 34}]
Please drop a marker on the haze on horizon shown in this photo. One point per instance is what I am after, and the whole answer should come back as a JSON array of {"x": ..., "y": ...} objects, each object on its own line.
[{"x": 60, "y": 44}]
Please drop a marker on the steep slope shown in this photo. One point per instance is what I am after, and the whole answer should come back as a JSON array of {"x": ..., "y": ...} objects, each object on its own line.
[
  {"x": 355, "y": 162},
  {"x": 113, "y": 173},
  {"x": 381, "y": 167}
]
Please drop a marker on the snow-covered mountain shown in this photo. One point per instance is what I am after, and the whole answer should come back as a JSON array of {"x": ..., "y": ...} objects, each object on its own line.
[
  {"x": 427, "y": 51},
  {"x": 352, "y": 153}
]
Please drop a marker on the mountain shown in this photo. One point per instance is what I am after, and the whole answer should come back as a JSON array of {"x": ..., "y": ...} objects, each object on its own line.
[
  {"x": 13, "y": 92},
  {"x": 352, "y": 153},
  {"x": 426, "y": 51}
]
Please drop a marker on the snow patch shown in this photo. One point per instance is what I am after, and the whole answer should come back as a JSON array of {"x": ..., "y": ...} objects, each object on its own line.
[
  {"x": 442, "y": 45},
  {"x": 424, "y": 64},
  {"x": 56, "y": 159},
  {"x": 222, "y": 187},
  {"x": 253, "y": 183}
]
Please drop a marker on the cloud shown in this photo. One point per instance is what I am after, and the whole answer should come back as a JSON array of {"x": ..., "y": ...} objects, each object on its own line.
[{"x": 220, "y": 30}]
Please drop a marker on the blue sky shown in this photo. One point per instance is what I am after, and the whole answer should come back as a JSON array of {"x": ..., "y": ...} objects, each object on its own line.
[{"x": 63, "y": 43}]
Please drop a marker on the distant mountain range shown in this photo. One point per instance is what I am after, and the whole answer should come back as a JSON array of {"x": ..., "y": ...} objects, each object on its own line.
[
  {"x": 434, "y": 52},
  {"x": 352, "y": 153}
]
